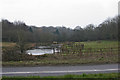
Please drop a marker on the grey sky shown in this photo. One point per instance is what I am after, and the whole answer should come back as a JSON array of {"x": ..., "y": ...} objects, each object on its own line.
[{"x": 69, "y": 13}]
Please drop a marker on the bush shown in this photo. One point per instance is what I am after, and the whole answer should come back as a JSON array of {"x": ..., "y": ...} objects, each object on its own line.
[{"x": 13, "y": 54}]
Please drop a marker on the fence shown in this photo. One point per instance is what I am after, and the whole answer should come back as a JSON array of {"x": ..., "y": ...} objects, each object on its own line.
[{"x": 84, "y": 49}]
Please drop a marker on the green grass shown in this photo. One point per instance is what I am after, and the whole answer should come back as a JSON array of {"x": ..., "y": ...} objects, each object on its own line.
[
  {"x": 101, "y": 44},
  {"x": 101, "y": 75},
  {"x": 96, "y": 46},
  {"x": 88, "y": 44},
  {"x": 91, "y": 47}
]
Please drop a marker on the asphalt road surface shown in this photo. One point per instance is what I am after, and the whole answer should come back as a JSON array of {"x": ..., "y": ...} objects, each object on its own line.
[{"x": 59, "y": 70}]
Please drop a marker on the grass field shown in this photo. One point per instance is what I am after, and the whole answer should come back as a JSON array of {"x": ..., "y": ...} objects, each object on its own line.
[
  {"x": 101, "y": 44},
  {"x": 105, "y": 75},
  {"x": 92, "y": 47},
  {"x": 104, "y": 45},
  {"x": 91, "y": 54},
  {"x": 88, "y": 44}
]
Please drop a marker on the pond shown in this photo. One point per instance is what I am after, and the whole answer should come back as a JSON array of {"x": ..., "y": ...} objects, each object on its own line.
[{"x": 41, "y": 50}]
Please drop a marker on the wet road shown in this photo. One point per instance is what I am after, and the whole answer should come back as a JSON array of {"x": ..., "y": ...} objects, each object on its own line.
[{"x": 59, "y": 70}]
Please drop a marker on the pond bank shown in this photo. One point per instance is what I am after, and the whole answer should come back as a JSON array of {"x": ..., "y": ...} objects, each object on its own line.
[{"x": 55, "y": 59}]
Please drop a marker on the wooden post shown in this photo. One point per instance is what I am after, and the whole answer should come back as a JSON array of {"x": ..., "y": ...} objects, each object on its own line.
[{"x": 53, "y": 50}]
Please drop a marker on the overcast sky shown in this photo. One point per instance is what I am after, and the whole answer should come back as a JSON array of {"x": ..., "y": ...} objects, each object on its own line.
[{"x": 69, "y": 13}]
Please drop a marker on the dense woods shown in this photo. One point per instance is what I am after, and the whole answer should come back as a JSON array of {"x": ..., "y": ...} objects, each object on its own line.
[{"x": 20, "y": 32}]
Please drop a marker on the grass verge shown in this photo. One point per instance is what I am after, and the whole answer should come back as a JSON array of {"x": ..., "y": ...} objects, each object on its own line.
[{"x": 104, "y": 75}]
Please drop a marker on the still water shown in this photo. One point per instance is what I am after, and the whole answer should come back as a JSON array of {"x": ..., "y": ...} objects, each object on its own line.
[{"x": 41, "y": 51}]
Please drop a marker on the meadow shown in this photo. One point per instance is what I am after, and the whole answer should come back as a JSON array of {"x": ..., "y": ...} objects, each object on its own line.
[
  {"x": 94, "y": 52},
  {"x": 92, "y": 46}
]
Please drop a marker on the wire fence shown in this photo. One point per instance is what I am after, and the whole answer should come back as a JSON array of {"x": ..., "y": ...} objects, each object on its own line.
[{"x": 81, "y": 49}]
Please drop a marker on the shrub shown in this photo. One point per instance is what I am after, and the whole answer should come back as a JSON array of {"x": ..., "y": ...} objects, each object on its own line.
[{"x": 13, "y": 54}]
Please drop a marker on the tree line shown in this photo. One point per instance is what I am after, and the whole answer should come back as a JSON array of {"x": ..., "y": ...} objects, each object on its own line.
[{"x": 20, "y": 32}]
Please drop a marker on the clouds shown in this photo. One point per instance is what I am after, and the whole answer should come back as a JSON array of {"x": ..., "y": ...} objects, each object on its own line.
[{"x": 59, "y": 12}]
